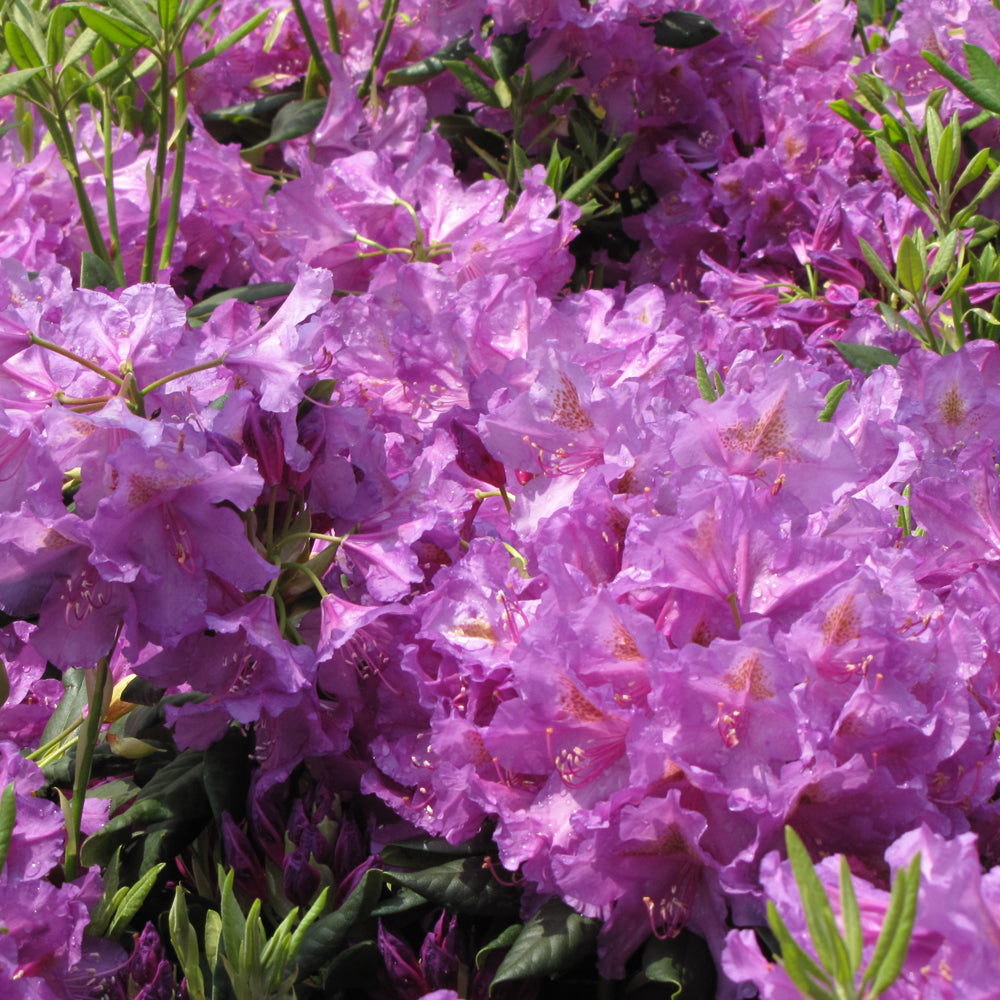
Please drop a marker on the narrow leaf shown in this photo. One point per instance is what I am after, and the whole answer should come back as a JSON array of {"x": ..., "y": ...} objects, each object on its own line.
[
  {"x": 21, "y": 50},
  {"x": 8, "y": 814},
  {"x": 949, "y": 150},
  {"x": 477, "y": 87},
  {"x": 229, "y": 41},
  {"x": 133, "y": 899},
  {"x": 139, "y": 14},
  {"x": 973, "y": 169},
  {"x": 432, "y": 66},
  {"x": 464, "y": 885},
  {"x": 246, "y": 293},
  {"x": 11, "y": 82},
  {"x": 944, "y": 259},
  {"x": 705, "y": 386},
  {"x": 553, "y": 941},
  {"x": 115, "y": 30},
  {"x": 185, "y": 941},
  {"x": 894, "y": 939},
  {"x": 850, "y": 913},
  {"x": 297, "y": 118},
  {"x": 577, "y": 192},
  {"x": 810, "y": 979},
  {"x": 881, "y": 271},
  {"x": 833, "y": 398},
  {"x": 816, "y": 904},
  {"x": 910, "y": 267},
  {"x": 975, "y": 91},
  {"x": 234, "y": 923}
]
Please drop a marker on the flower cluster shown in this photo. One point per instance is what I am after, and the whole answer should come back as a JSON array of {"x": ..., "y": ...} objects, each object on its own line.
[{"x": 493, "y": 550}]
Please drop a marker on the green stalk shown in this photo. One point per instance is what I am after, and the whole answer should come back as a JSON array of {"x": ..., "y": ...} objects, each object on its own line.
[
  {"x": 331, "y": 25},
  {"x": 317, "y": 56},
  {"x": 58, "y": 126},
  {"x": 159, "y": 172},
  {"x": 177, "y": 177},
  {"x": 388, "y": 17},
  {"x": 109, "y": 189},
  {"x": 84, "y": 760}
]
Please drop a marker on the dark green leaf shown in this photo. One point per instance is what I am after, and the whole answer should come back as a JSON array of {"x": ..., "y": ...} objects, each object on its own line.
[
  {"x": 295, "y": 119},
  {"x": 419, "y": 850},
  {"x": 553, "y": 941},
  {"x": 8, "y": 814},
  {"x": 577, "y": 192},
  {"x": 82, "y": 45},
  {"x": 355, "y": 967},
  {"x": 502, "y": 941},
  {"x": 683, "y": 964},
  {"x": 4, "y": 684},
  {"x": 227, "y": 774},
  {"x": 681, "y": 29},
  {"x": 247, "y": 293},
  {"x": 432, "y": 66},
  {"x": 833, "y": 398},
  {"x": 904, "y": 175},
  {"x": 399, "y": 902},
  {"x": 96, "y": 273},
  {"x": 323, "y": 939},
  {"x": 478, "y": 88},
  {"x": 99, "y": 847},
  {"x": 864, "y": 356},
  {"x": 465, "y": 885},
  {"x": 949, "y": 151},
  {"x": 507, "y": 53},
  {"x": 70, "y": 707}
]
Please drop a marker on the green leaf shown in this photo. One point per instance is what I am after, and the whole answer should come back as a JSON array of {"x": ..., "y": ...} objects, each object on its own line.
[
  {"x": 944, "y": 259},
  {"x": 139, "y": 13},
  {"x": 8, "y": 814},
  {"x": 577, "y": 192},
  {"x": 70, "y": 706},
  {"x": 82, "y": 45},
  {"x": 910, "y": 267},
  {"x": 683, "y": 963},
  {"x": 11, "y": 82},
  {"x": 116, "y": 30},
  {"x": 903, "y": 173},
  {"x": 295, "y": 119},
  {"x": 833, "y": 398},
  {"x": 432, "y": 66},
  {"x": 507, "y": 54},
  {"x": 553, "y": 941},
  {"x": 227, "y": 774},
  {"x": 133, "y": 900},
  {"x": 894, "y": 939},
  {"x": 479, "y": 90},
  {"x": 830, "y": 947},
  {"x": 4, "y": 684},
  {"x": 167, "y": 10},
  {"x": 984, "y": 74},
  {"x": 850, "y": 913},
  {"x": 973, "y": 169},
  {"x": 234, "y": 923},
  {"x": 24, "y": 54},
  {"x": 185, "y": 941},
  {"x": 705, "y": 386},
  {"x": 199, "y": 312},
  {"x": 96, "y": 273},
  {"x": 802, "y": 970},
  {"x": 881, "y": 271},
  {"x": 957, "y": 282},
  {"x": 502, "y": 941},
  {"x": 229, "y": 41},
  {"x": 978, "y": 88},
  {"x": 323, "y": 939},
  {"x": 935, "y": 131},
  {"x": 949, "y": 151},
  {"x": 464, "y": 885},
  {"x": 864, "y": 356},
  {"x": 681, "y": 29},
  {"x": 852, "y": 115}
]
